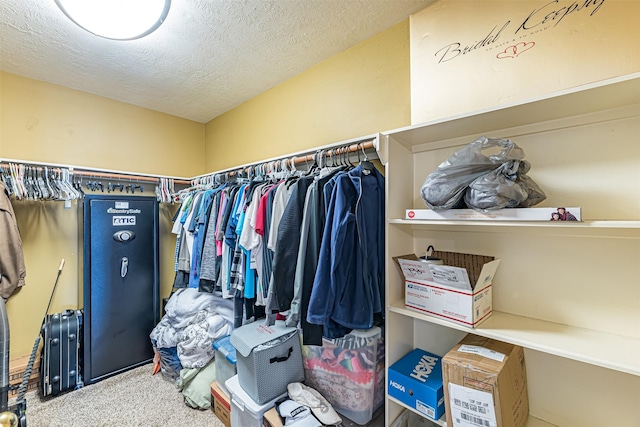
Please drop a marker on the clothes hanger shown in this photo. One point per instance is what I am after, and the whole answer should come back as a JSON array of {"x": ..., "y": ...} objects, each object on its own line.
[
  {"x": 44, "y": 191},
  {"x": 314, "y": 166},
  {"x": 6, "y": 179},
  {"x": 366, "y": 165}
]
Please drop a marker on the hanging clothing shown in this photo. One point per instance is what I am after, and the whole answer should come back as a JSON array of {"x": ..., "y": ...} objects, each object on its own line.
[
  {"x": 12, "y": 267},
  {"x": 287, "y": 245},
  {"x": 349, "y": 284},
  {"x": 311, "y": 238},
  {"x": 210, "y": 265}
]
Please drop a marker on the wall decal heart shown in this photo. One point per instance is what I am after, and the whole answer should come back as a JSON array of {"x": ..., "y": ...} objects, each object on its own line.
[{"x": 515, "y": 50}]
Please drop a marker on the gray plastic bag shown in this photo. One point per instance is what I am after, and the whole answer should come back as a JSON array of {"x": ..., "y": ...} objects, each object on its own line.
[
  {"x": 508, "y": 186},
  {"x": 444, "y": 188}
]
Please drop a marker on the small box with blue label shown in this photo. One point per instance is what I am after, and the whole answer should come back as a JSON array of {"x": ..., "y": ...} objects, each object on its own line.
[{"x": 416, "y": 381}]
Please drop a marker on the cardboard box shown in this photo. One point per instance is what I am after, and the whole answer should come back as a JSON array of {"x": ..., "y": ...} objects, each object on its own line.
[
  {"x": 510, "y": 214},
  {"x": 17, "y": 368},
  {"x": 272, "y": 418},
  {"x": 220, "y": 404},
  {"x": 416, "y": 380},
  {"x": 459, "y": 291},
  {"x": 485, "y": 384}
]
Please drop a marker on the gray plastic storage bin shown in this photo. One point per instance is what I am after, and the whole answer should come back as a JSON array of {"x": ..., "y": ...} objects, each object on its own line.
[{"x": 268, "y": 359}]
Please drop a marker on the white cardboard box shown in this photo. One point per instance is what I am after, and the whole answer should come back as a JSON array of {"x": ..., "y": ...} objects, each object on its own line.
[
  {"x": 459, "y": 291},
  {"x": 511, "y": 214}
]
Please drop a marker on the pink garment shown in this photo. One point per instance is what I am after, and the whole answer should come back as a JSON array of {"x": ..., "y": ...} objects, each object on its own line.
[{"x": 223, "y": 205}]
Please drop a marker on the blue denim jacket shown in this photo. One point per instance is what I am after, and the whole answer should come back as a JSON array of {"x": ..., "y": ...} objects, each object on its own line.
[{"x": 349, "y": 283}]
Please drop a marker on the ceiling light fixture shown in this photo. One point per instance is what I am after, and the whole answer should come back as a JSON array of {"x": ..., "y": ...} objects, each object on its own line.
[{"x": 116, "y": 19}]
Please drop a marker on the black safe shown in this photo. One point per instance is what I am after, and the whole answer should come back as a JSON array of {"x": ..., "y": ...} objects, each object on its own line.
[{"x": 120, "y": 274}]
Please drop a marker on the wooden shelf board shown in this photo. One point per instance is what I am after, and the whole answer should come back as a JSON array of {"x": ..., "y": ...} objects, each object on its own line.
[
  {"x": 631, "y": 225},
  {"x": 593, "y": 347},
  {"x": 598, "y": 96},
  {"x": 532, "y": 422}
]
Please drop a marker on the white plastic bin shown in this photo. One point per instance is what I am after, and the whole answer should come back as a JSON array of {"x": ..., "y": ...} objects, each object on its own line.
[
  {"x": 246, "y": 412},
  {"x": 225, "y": 360}
]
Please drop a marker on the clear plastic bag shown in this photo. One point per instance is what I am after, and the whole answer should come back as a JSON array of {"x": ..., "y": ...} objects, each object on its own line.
[{"x": 444, "y": 188}]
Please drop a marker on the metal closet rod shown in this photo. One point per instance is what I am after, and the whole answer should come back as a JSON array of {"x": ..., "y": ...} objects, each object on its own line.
[
  {"x": 298, "y": 158},
  {"x": 99, "y": 173}
]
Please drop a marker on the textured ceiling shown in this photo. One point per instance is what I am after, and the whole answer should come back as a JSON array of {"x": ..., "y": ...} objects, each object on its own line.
[{"x": 208, "y": 57}]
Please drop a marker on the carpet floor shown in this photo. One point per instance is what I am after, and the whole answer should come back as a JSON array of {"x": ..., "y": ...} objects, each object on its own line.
[{"x": 133, "y": 398}]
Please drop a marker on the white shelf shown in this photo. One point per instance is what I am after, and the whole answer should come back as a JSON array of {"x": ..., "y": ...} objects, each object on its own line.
[
  {"x": 596, "y": 348},
  {"x": 580, "y": 365},
  {"x": 629, "y": 225},
  {"x": 531, "y": 422},
  {"x": 599, "y": 96}
]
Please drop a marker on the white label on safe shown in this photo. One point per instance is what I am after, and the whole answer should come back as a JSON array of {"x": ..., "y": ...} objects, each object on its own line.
[
  {"x": 122, "y": 205},
  {"x": 123, "y": 211},
  {"x": 124, "y": 220},
  {"x": 425, "y": 409},
  {"x": 481, "y": 351},
  {"x": 471, "y": 408}
]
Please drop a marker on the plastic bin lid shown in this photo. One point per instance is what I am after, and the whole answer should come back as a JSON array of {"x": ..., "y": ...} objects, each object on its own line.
[
  {"x": 240, "y": 397},
  {"x": 224, "y": 346},
  {"x": 366, "y": 333}
]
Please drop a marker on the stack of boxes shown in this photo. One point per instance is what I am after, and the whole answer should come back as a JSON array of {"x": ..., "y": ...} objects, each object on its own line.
[
  {"x": 267, "y": 358},
  {"x": 481, "y": 381},
  {"x": 225, "y": 362}
]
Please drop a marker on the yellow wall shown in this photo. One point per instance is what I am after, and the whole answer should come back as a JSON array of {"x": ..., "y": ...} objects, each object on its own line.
[
  {"x": 44, "y": 122},
  {"x": 471, "y": 55},
  {"x": 47, "y": 123},
  {"x": 363, "y": 90},
  {"x": 360, "y": 91}
]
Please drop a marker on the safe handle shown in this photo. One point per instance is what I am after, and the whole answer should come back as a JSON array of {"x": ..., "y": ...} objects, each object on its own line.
[{"x": 124, "y": 266}]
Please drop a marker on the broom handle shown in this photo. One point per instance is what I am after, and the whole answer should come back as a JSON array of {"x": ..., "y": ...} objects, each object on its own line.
[
  {"x": 32, "y": 358},
  {"x": 54, "y": 287}
]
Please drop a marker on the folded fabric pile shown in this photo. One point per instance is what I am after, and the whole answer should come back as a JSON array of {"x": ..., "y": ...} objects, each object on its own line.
[{"x": 184, "y": 336}]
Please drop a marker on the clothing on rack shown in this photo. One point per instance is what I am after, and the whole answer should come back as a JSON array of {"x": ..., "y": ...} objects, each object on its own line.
[
  {"x": 308, "y": 246},
  {"x": 12, "y": 267},
  {"x": 349, "y": 283}
]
